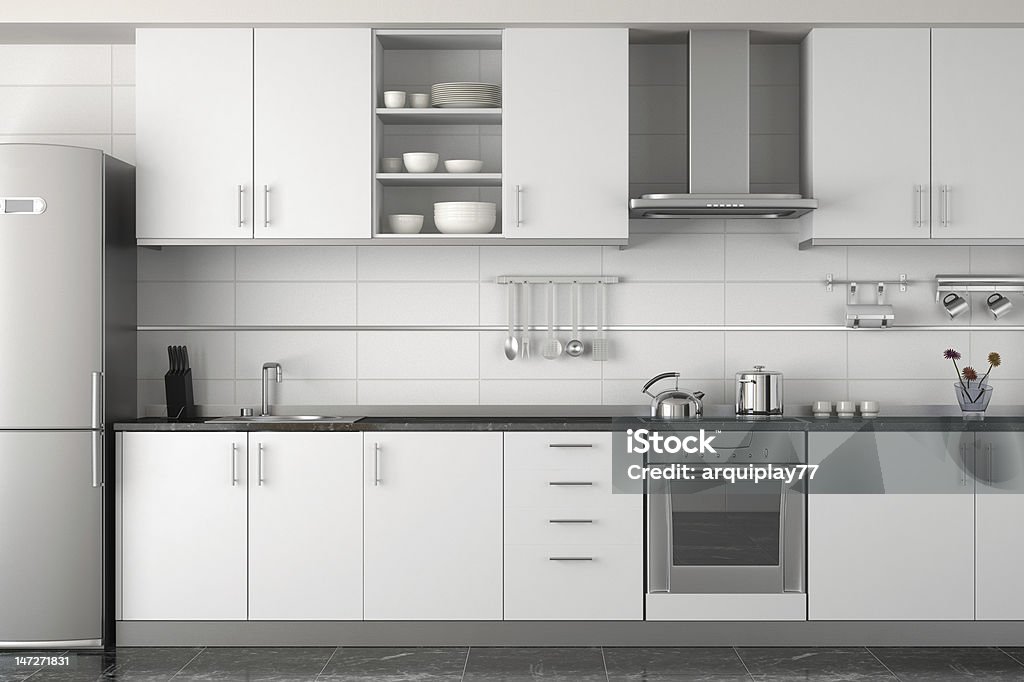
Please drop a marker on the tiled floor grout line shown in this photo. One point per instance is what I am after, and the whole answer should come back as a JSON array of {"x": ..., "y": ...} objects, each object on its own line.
[
  {"x": 187, "y": 663},
  {"x": 881, "y": 662},
  {"x": 736, "y": 652},
  {"x": 465, "y": 665},
  {"x": 1012, "y": 657},
  {"x": 329, "y": 659}
]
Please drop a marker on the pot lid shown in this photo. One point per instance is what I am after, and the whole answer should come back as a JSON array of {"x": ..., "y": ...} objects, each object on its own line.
[{"x": 758, "y": 370}]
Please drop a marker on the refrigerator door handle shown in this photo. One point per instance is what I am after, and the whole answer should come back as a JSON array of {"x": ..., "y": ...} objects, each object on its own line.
[
  {"x": 97, "y": 459},
  {"x": 97, "y": 400}
]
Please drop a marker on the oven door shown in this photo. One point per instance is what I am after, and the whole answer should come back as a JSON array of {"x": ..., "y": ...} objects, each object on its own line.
[{"x": 713, "y": 536}]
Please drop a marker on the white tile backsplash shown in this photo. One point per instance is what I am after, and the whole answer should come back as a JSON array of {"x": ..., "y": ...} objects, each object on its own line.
[
  {"x": 743, "y": 272},
  {"x": 295, "y": 303},
  {"x": 62, "y": 109},
  {"x": 419, "y": 303},
  {"x": 55, "y": 65}
]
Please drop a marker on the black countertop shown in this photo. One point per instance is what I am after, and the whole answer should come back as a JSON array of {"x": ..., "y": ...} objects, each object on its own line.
[{"x": 596, "y": 422}]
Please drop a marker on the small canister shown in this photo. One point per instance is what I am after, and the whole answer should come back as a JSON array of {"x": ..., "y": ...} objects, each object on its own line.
[{"x": 758, "y": 393}]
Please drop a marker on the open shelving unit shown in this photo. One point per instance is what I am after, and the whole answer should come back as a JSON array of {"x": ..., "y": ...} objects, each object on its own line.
[{"x": 412, "y": 61}]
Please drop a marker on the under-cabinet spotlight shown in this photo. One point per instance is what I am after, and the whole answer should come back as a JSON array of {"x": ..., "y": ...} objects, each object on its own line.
[
  {"x": 998, "y": 305},
  {"x": 955, "y": 305}
]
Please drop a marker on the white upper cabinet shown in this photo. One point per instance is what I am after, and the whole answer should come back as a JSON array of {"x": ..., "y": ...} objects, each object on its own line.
[
  {"x": 913, "y": 133},
  {"x": 565, "y": 133},
  {"x": 305, "y": 526},
  {"x": 977, "y": 136},
  {"x": 432, "y": 526},
  {"x": 866, "y": 124},
  {"x": 312, "y": 118},
  {"x": 248, "y": 133},
  {"x": 194, "y": 133}
]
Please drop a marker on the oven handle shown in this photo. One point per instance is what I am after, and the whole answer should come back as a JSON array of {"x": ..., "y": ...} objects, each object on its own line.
[
  {"x": 791, "y": 525},
  {"x": 659, "y": 569}
]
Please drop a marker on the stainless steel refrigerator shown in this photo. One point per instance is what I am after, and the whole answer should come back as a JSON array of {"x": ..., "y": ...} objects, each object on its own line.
[{"x": 67, "y": 371}]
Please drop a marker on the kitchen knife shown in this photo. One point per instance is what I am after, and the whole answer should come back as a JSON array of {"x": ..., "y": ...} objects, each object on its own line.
[
  {"x": 170, "y": 359},
  {"x": 184, "y": 358}
]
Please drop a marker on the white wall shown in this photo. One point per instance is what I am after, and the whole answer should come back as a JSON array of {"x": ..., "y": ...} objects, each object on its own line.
[{"x": 694, "y": 273}]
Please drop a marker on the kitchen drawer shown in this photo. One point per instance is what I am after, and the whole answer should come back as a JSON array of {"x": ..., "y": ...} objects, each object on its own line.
[
  {"x": 608, "y": 585},
  {"x": 557, "y": 450},
  {"x": 616, "y": 520},
  {"x": 557, "y": 488}
]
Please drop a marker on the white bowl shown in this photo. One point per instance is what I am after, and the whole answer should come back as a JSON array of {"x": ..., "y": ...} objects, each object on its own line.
[
  {"x": 405, "y": 223},
  {"x": 465, "y": 205},
  {"x": 394, "y": 99},
  {"x": 391, "y": 164},
  {"x": 463, "y": 165},
  {"x": 419, "y": 100},
  {"x": 464, "y": 225},
  {"x": 420, "y": 162}
]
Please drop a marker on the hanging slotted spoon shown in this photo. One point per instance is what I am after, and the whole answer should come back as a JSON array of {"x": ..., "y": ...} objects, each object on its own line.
[
  {"x": 552, "y": 346},
  {"x": 600, "y": 342}
]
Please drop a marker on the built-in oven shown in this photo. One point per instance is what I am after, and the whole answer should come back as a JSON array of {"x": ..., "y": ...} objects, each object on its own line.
[{"x": 726, "y": 532}]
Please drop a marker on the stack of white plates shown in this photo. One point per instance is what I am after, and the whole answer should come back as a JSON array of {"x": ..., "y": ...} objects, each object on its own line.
[
  {"x": 468, "y": 95},
  {"x": 465, "y": 217}
]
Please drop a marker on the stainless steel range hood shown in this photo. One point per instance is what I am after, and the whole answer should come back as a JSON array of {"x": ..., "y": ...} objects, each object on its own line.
[{"x": 719, "y": 138}]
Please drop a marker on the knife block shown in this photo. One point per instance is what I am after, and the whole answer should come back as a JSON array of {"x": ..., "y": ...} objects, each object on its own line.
[{"x": 178, "y": 388}]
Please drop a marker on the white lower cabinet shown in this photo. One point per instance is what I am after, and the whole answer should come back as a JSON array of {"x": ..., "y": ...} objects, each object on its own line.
[
  {"x": 432, "y": 528},
  {"x": 573, "y": 549},
  {"x": 183, "y": 526},
  {"x": 305, "y": 526},
  {"x": 999, "y": 542},
  {"x": 891, "y": 524}
]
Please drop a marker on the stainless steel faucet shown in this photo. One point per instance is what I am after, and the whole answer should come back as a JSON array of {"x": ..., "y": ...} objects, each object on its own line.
[{"x": 265, "y": 412}]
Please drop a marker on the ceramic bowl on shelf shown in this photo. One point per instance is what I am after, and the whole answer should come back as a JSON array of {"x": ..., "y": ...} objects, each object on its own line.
[
  {"x": 391, "y": 164},
  {"x": 420, "y": 162},
  {"x": 465, "y": 217},
  {"x": 463, "y": 165},
  {"x": 394, "y": 99},
  {"x": 405, "y": 223},
  {"x": 419, "y": 100}
]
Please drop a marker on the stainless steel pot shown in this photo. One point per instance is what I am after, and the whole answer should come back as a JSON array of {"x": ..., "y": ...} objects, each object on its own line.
[{"x": 758, "y": 393}]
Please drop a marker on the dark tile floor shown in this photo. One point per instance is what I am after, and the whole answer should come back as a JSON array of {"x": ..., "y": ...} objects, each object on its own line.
[{"x": 495, "y": 664}]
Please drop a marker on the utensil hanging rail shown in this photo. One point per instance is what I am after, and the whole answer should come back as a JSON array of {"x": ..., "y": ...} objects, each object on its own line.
[{"x": 544, "y": 279}]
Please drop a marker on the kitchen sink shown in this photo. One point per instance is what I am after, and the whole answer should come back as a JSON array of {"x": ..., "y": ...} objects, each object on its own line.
[{"x": 284, "y": 419}]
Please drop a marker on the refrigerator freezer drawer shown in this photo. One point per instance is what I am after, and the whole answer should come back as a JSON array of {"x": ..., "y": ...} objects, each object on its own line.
[{"x": 51, "y": 532}]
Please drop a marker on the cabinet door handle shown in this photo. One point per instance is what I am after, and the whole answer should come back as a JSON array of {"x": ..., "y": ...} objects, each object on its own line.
[
  {"x": 918, "y": 206},
  {"x": 234, "y": 464},
  {"x": 570, "y": 520},
  {"x": 377, "y": 480},
  {"x": 259, "y": 465},
  {"x": 241, "y": 206},
  {"x": 97, "y": 462},
  {"x": 945, "y": 215},
  {"x": 570, "y": 483},
  {"x": 97, "y": 400},
  {"x": 570, "y": 558},
  {"x": 991, "y": 463},
  {"x": 963, "y": 464},
  {"x": 570, "y": 445},
  {"x": 519, "y": 205},
  {"x": 266, "y": 205}
]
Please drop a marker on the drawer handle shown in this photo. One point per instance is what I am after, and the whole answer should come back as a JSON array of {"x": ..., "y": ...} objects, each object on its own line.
[
  {"x": 570, "y": 558},
  {"x": 570, "y": 445},
  {"x": 571, "y": 521},
  {"x": 571, "y": 483}
]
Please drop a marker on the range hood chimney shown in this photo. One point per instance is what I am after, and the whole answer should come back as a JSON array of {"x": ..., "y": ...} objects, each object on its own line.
[{"x": 719, "y": 137}]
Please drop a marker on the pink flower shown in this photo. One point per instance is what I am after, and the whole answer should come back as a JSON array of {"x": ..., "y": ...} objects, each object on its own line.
[{"x": 951, "y": 354}]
